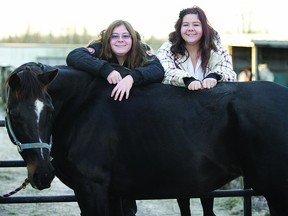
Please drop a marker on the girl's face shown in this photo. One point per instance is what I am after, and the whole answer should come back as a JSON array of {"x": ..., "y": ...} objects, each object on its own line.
[
  {"x": 191, "y": 29},
  {"x": 120, "y": 41}
]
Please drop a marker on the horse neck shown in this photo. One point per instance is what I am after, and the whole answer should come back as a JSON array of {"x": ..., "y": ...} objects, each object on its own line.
[
  {"x": 73, "y": 88},
  {"x": 69, "y": 86}
]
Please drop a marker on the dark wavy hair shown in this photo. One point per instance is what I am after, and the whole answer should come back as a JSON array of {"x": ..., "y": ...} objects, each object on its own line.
[
  {"x": 136, "y": 56},
  {"x": 208, "y": 40}
]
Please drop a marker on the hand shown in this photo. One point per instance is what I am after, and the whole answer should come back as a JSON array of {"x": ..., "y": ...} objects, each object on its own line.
[
  {"x": 209, "y": 83},
  {"x": 114, "y": 77},
  {"x": 195, "y": 85},
  {"x": 123, "y": 87}
]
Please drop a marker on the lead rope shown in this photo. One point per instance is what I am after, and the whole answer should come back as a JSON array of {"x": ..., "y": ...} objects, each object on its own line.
[{"x": 23, "y": 186}]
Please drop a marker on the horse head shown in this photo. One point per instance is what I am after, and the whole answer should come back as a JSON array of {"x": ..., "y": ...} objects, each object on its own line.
[{"x": 29, "y": 120}]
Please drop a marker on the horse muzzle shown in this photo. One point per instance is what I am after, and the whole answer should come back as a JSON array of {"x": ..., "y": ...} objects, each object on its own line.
[{"x": 40, "y": 178}]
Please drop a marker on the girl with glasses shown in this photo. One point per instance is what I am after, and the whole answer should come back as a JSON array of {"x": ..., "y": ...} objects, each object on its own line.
[{"x": 120, "y": 57}]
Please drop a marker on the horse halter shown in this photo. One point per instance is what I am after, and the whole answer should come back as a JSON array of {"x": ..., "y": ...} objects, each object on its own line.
[
  {"x": 15, "y": 141},
  {"x": 22, "y": 146}
]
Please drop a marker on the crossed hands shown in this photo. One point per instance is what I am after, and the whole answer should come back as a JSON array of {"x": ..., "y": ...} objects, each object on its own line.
[
  {"x": 206, "y": 83},
  {"x": 123, "y": 85}
]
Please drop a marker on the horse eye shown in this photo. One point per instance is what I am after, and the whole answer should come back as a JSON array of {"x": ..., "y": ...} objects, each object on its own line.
[
  {"x": 12, "y": 114},
  {"x": 50, "y": 109},
  {"x": 15, "y": 116}
]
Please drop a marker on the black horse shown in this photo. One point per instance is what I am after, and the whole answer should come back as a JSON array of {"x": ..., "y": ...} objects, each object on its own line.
[{"x": 163, "y": 142}]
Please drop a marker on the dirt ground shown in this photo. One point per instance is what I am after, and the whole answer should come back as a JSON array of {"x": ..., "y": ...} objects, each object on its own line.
[{"x": 11, "y": 178}]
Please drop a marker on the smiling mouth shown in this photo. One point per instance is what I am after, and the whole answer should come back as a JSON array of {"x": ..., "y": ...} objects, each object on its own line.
[{"x": 120, "y": 46}]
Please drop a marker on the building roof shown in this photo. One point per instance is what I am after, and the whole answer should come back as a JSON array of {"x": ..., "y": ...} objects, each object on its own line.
[{"x": 251, "y": 40}]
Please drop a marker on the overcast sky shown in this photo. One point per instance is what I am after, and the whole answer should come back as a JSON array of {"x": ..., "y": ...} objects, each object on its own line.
[{"x": 149, "y": 17}]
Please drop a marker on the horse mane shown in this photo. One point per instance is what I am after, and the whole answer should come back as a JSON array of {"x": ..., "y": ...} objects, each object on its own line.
[{"x": 30, "y": 85}]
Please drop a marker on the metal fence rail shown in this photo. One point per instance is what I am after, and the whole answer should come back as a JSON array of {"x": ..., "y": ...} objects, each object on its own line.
[
  {"x": 72, "y": 198},
  {"x": 246, "y": 193},
  {"x": 38, "y": 199}
]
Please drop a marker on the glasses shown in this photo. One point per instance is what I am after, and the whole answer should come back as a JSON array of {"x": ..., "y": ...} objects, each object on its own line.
[{"x": 117, "y": 36}]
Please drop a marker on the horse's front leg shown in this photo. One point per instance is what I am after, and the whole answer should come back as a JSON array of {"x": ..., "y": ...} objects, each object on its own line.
[
  {"x": 92, "y": 201},
  {"x": 184, "y": 206},
  {"x": 207, "y": 205},
  {"x": 120, "y": 206}
]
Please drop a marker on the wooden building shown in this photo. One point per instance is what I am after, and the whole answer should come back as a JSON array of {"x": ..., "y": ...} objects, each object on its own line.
[{"x": 258, "y": 52}]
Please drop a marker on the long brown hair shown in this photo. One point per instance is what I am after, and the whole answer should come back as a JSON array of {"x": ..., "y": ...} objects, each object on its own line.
[
  {"x": 136, "y": 56},
  {"x": 207, "y": 43}
]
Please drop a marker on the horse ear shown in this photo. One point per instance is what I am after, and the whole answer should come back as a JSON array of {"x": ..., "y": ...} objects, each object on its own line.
[
  {"x": 14, "y": 81},
  {"x": 47, "y": 77}
]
